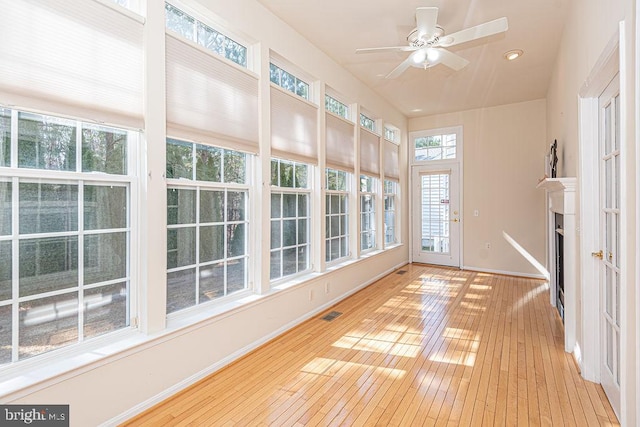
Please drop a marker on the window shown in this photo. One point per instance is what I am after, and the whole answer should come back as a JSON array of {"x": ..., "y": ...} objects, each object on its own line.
[
  {"x": 435, "y": 147},
  {"x": 390, "y": 193},
  {"x": 367, "y": 123},
  {"x": 367, "y": 212},
  {"x": 196, "y": 31},
  {"x": 389, "y": 134},
  {"x": 65, "y": 232},
  {"x": 337, "y": 214},
  {"x": 336, "y": 107},
  {"x": 290, "y": 218},
  {"x": 207, "y": 225},
  {"x": 288, "y": 81}
]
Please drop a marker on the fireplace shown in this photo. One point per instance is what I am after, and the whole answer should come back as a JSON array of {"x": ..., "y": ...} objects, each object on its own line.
[{"x": 562, "y": 252}]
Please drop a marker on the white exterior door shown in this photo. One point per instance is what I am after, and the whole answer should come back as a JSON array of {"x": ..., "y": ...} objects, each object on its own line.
[
  {"x": 609, "y": 253},
  {"x": 436, "y": 214}
]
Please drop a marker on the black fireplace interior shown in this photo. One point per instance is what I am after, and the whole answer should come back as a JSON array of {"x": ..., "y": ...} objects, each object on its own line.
[{"x": 559, "y": 249}]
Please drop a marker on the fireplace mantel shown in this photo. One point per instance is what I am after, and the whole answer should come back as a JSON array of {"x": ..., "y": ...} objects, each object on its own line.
[{"x": 561, "y": 199}]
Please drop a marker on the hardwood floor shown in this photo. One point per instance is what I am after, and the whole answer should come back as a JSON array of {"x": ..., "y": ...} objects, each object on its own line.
[{"x": 431, "y": 346}]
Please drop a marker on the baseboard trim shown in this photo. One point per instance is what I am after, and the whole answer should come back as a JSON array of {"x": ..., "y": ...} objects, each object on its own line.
[
  {"x": 187, "y": 382},
  {"x": 504, "y": 273}
]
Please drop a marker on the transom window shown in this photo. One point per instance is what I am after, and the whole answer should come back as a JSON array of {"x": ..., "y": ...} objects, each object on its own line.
[
  {"x": 288, "y": 81},
  {"x": 390, "y": 193},
  {"x": 336, "y": 107},
  {"x": 337, "y": 214},
  {"x": 207, "y": 223},
  {"x": 389, "y": 134},
  {"x": 367, "y": 122},
  {"x": 200, "y": 33},
  {"x": 290, "y": 219},
  {"x": 367, "y": 212},
  {"x": 435, "y": 147},
  {"x": 65, "y": 232}
]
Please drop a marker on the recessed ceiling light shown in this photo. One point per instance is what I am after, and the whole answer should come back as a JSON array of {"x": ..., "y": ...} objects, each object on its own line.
[{"x": 513, "y": 54}]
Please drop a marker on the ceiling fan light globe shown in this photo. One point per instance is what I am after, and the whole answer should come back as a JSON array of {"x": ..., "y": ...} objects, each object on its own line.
[
  {"x": 419, "y": 57},
  {"x": 433, "y": 55}
]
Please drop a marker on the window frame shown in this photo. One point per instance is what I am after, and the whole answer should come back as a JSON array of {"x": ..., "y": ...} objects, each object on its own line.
[
  {"x": 455, "y": 130},
  {"x": 369, "y": 190},
  {"x": 17, "y": 175},
  {"x": 329, "y": 100},
  {"x": 277, "y": 189},
  {"x": 280, "y": 68},
  {"x": 393, "y": 185},
  {"x": 367, "y": 122},
  {"x": 343, "y": 217},
  {"x": 198, "y": 186}
]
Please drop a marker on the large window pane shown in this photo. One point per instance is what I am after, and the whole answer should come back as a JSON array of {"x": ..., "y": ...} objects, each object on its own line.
[
  {"x": 5, "y": 137},
  {"x": 104, "y": 150},
  {"x": 211, "y": 206},
  {"x": 208, "y": 163},
  {"x": 5, "y": 270},
  {"x": 179, "y": 159},
  {"x": 48, "y": 264},
  {"x": 5, "y": 334},
  {"x": 105, "y": 309},
  {"x": 235, "y": 167},
  {"x": 211, "y": 282},
  {"x": 105, "y": 257},
  {"x": 181, "y": 247},
  {"x": 211, "y": 243},
  {"x": 48, "y": 208},
  {"x": 47, "y": 324},
  {"x": 236, "y": 205},
  {"x": 236, "y": 275},
  {"x": 5, "y": 208},
  {"x": 46, "y": 142},
  {"x": 236, "y": 245},
  {"x": 181, "y": 289},
  {"x": 181, "y": 206},
  {"x": 105, "y": 207}
]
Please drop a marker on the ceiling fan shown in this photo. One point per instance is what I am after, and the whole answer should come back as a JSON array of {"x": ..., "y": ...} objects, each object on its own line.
[{"x": 428, "y": 40}]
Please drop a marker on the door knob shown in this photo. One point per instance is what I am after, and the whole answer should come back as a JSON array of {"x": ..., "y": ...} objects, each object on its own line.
[
  {"x": 455, "y": 220},
  {"x": 598, "y": 254}
]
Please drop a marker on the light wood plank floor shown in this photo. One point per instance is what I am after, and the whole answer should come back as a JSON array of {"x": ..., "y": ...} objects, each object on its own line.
[{"x": 432, "y": 346}]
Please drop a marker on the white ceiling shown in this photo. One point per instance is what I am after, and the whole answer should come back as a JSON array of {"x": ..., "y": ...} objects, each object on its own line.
[{"x": 338, "y": 27}]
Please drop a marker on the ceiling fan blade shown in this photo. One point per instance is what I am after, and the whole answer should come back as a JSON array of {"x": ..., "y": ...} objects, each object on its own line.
[
  {"x": 386, "y": 49},
  {"x": 399, "y": 69},
  {"x": 426, "y": 19},
  {"x": 451, "y": 60},
  {"x": 490, "y": 28}
]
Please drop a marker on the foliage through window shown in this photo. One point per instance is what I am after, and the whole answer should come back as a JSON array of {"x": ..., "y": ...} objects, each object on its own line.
[
  {"x": 367, "y": 212},
  {"x": 290, "y": 219},
  {"x": 207, "y": 223},
  {"x": 336, "y": 107},
  {"x": 435, "y": 147},
  {"x": 390, "y": 194},
  {"x": 64, "y": 239},
  {"x": 367, "y": 123},
  {"x": 337, "y": 214},
  {"x": 288, "y": 81},
  {"x": 200, "y": 33}
]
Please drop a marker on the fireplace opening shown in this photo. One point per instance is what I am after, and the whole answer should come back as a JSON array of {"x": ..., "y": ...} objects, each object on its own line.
[{"x": 559, "y": 251}]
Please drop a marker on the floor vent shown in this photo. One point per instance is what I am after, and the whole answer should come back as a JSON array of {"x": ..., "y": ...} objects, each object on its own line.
[
  {"x": 331, "y": 315},
  {"x": 401, "y": 271}
]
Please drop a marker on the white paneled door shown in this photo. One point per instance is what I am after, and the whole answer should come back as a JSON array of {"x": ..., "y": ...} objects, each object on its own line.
[
  {"x": 609, "y": 254},
  {"x": 436, "y": 215}
]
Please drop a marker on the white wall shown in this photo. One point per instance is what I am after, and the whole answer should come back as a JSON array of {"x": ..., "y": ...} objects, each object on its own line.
[
  {"x": 591, "y": 26},
  {"x": 119, "y": 385},
  {"x": 504, "y": 149}
]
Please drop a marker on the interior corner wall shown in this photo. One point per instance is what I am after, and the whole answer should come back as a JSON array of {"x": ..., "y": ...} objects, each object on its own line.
[
  {"x": 591, "y": 25},
  {"x": 504, "y": 151}
]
